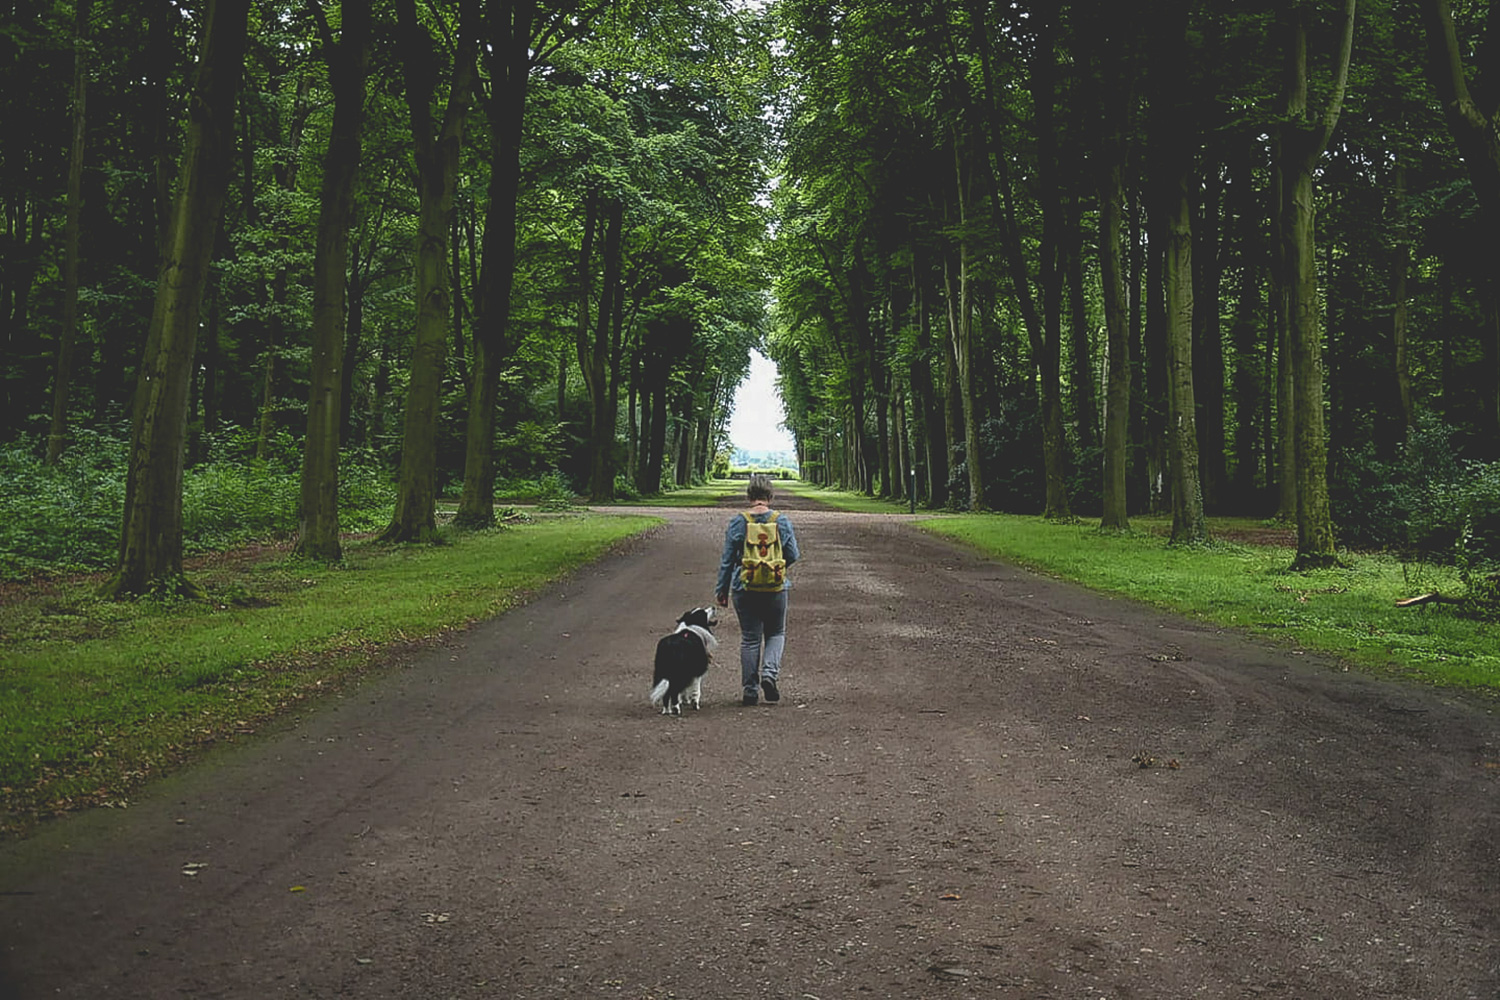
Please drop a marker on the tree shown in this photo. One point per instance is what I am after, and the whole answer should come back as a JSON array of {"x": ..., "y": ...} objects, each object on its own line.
[
  {"x": 67, "y": 336},
  {"x": 1303, "y": 141},
  {"x": 151, "y": 536},
  {"x": 1112, "y": 101},
  {"x": 520, "y": 40},
  {"x": 1475, "y": 126},
  {"x": 348, "y": 60},
  {"x": 436, "y": 158},
  {"x": 1175, "y": 137}
]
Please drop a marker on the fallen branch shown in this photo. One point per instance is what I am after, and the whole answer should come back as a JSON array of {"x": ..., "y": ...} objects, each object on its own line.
[{"x": 1432, "y": 598}]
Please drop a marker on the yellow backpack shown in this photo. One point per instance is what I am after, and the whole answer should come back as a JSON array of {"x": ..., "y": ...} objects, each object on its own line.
[{"x": 762, "y": 566}]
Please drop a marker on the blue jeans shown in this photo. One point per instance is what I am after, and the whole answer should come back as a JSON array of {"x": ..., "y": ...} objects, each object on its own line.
[{"x": 762, "y": 636}]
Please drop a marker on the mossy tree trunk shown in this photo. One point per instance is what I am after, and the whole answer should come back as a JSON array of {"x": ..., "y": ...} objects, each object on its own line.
[
  {"x": 348, "y": 63},
  {"x": 151, "y": 534},
  {"x": 1175, "y": 140},
  {"x": 1302, "y": 146},
  {"x": 436, "y": 154}
]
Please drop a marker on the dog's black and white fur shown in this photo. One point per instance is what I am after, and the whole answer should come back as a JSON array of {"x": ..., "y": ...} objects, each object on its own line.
[{"x": 682, "y": 660}]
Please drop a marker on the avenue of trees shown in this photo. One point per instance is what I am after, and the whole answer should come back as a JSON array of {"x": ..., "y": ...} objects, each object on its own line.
[
  {"x": 1095, "y": 257},
  {"x": 1107, "y": 257},
  {"x": 469, "y": 240}
]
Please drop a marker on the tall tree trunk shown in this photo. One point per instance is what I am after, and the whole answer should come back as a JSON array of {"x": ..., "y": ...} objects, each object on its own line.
[
  {"x": 928, "y": 404},
  {"x": 959, "y": 284},
  {"x": 881, "y": 384},
  {"x": 1208, "y": 340},
  {"x": 1046, "y": 340},
  {"x": 57, "y": 434},
  {"x": 1474, "y": 121},
  {"x": 348, "y": 62},
  {"x": 284, "y": 173},
  {"x": 1281, "y": 337},
  {"x": 632, "y": 419},
  {"x": 151, "y": 534},
  {"x": 1400, "y": 268},
  {"x": 1188, "y": 523},
  {"x": 436, "y": 174},
  {"x": 1117, "y": 332},
  {"x": 1249, "y": 384},
  {"x": 509, "y": 58},
  {"x": 1302, "y": 148},
  {"x": 1174, "y": 136},
  {"x": 602, "y": 416},
  {"x": 686, "y": 426},
  {"x": 161, "y": 47},
  {"x": 1084, "y": 382},
  {"x": 656, "y": 450},
  {"x": 354, "y": 324}
]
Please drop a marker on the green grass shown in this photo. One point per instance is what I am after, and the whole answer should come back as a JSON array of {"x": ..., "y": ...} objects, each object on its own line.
[
  {"x": 96, "y": 696},
  {"x": 1350, "y": 612},
  {"x": 844, "y": 500},
  {"x": 707, "y": 495}
]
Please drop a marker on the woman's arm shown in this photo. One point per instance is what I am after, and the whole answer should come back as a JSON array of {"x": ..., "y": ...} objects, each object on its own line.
[
  {"x": 789, "y": 549},
  {"x": 727, "y": 560}
]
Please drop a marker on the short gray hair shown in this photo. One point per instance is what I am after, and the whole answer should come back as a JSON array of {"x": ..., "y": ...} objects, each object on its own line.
[{"x": 760, "y": 487}]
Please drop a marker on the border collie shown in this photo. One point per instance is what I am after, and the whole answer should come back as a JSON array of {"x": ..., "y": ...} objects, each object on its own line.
[{"x": 682, "y": 660}]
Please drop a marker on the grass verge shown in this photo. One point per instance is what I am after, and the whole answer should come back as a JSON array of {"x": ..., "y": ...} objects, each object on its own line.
[
  {"x": 98, "y": 696},
  {"x": 1241, "y": 580},
  {"x": 706, "y": 495},
  {"x": 1348, "y": 612},
  {"x": 844, "y": 500}
]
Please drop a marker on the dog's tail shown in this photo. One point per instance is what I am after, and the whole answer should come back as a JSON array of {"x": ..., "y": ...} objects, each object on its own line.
[{"x": 659, "y": 692}]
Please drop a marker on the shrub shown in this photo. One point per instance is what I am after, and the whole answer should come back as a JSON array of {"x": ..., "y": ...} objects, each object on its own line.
[
  {"x": 625, "y": 488},
  {"x": 550, "y": 488},
  {"x": 529, "y": 449},
  {"x": 1475, "y": 501},
  {"x": 366, "y": 494},
  {"x": 1403, "y": 503},
  {"x": 225, "y": 504},
  {"x": 1011, "y": 443},
  {"x": 1371, "y": 507},
  {"x": 66, "y": 518}
]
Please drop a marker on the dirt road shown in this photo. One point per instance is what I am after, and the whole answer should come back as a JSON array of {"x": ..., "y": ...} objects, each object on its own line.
[{"x": 979, "y": 783}]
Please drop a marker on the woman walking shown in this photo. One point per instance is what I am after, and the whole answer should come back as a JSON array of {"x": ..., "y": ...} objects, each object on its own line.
[{"x": 759, "y": 548}]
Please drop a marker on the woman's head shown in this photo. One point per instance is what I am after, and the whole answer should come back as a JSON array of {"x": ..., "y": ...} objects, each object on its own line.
[{"x": 759, "y": 488}]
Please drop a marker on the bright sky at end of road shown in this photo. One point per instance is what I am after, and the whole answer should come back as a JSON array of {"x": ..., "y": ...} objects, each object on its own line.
[{"x": 755, "y": 423}]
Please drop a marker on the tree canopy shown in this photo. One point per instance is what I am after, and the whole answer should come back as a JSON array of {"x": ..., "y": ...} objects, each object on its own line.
[{"x": 1081, "y": 258}]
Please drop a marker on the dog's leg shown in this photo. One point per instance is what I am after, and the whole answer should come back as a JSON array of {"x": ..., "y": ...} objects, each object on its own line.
[{"x": 695, "y": 692}]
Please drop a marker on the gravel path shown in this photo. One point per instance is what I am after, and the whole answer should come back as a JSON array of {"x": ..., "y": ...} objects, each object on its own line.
[{"x": 979, "y": 783}]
